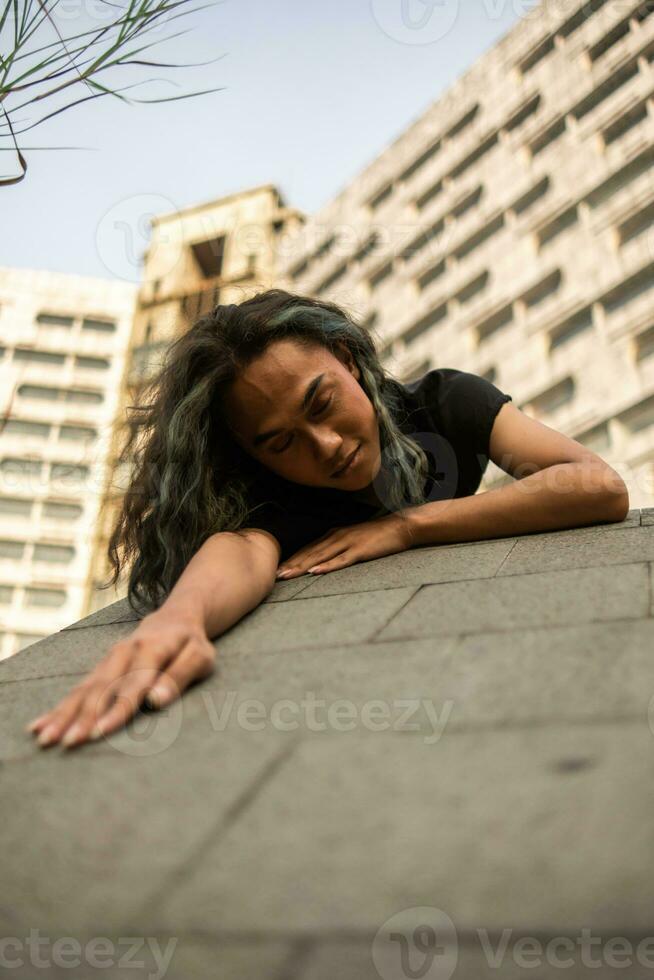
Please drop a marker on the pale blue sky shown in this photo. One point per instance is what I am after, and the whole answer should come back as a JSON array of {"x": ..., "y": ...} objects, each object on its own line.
[{"x": 313, "y": 92}]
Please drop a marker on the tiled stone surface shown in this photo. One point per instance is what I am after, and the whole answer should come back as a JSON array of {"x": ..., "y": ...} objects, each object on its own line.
[
  {"x": 546, "y": 825},
  {"x": 459, "y": 727},
  {"x": 514, "y": 602},
  {"x": 117, "y": 612}
]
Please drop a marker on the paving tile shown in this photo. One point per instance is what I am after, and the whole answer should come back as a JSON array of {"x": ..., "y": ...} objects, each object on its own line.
[
  {"x": 444, "y": 563},
  {"x": 108, "y": 828},
  {"x": 324, "y": 622},
  {"x": 66, "y": 652},
  {"x": 523, "y": 601},
  {"x": 549, "y": 552},
  {"x": 117, "y": 612},
  {"x": 647, "y": 515},
  {"x": 482, "y": 956},
  {"x": 544, "y": 829},
  {"x": 285, "y": 590},
  {"x": 597, "y": 671}
]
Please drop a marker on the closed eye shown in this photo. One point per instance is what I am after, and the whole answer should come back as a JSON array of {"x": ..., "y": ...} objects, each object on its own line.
[{"x": 319, "y": 410}]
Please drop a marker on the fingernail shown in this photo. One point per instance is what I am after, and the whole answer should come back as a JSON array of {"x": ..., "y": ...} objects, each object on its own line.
[
  {"x": 72, "y": 735},
  {"x": 33, "y": 724},
  {"x": 284, "y": 574},
  {"x": 95, "y": 732},
  {"x": 47, "y": 735},
  {"x": 314, "y": 569}
]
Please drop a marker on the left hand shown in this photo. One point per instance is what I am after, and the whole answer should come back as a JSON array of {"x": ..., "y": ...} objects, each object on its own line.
[{"x": 342, "y": 546}]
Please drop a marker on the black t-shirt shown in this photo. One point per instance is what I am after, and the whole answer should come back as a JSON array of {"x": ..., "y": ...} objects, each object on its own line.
[{"x": 449, "y": 412}]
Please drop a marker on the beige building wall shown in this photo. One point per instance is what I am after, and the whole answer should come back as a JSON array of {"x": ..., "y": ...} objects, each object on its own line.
[
  {"x": 218, "y": 252},
  {"x": 509, "y": 231},
  {"x": 63, "y": 340}
]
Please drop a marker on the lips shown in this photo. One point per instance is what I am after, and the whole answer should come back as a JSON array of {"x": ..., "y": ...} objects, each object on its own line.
[{"x": 348, "y": 460}]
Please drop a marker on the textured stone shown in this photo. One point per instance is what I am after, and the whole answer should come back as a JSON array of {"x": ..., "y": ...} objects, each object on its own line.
[
  {"x": 118, "y": 612},
  {"x": 523, "y": 601},
  {"x": 468, "y": 825},
  {"x": 550, "y": 552}
]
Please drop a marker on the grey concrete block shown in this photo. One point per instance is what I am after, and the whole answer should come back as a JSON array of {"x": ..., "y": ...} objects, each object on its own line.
[
  {"x": 322, "y": 622},
  {"x": 284, "y": 590},
  {"x": 597, "y": 671},
  {"x": 110, "y": 829},
  {"x": 443, "y": 563},
  {"x": 549, "y": 552},
  {"x": 66, "y": 652},
  {"x": 523, "y": 601},
  {"x": 117, "y": 612},
  {"x": 542, "y": 829},
  {"x": 647, "y": 515}
]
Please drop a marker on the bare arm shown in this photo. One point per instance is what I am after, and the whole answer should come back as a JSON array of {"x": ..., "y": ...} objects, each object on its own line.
[{"x": 228, "y": 577}]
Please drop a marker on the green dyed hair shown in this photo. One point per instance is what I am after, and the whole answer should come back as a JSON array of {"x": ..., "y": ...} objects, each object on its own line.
[{"x": 189, "y": 478}]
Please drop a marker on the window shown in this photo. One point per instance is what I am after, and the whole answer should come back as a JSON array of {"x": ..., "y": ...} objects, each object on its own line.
[
  {"x": 480, "y": 151},
  {"x": 11, "y": 549},
  {"x": 369, "y": 246},
  {"x": 58, "y": 511},
  {"x": 100, "y": 326},
  {"x": 38, "y": 356},
  {"x": 20, "y": 466},
  {"x": 540, "y": 51},
  {"x": 472, "y": 289},
  {"x": 209, "y": 256},
  {"x": 606, "y": 43},
  {"x": 81, "y": 396},
  {"x": 420, "y": 161},
  {"x": 636, "y": 224},
  {"x": 417, "y": 372},
  {"x": 490, "y": 375},
  {"x": 433, "y": 273},
  {"x": 626, "y": 122},
  {"x": 377, "y": 277},
  {"x": 75, "y": 395},
  {"x": 324, "y": 247},
  {"x": 23, "y": 427},
  {"x": 466, "y": 203},
  {"x": 425, "y": 323},
  {"x": 421, "y": 240},
  {"x": 597, "y": 439},
  {"x": 463, "y": 122},
  {"x": 481, "y": 236},
  {"x": 606, "y": 89},
  {"x": 333, "y": 277},
  {"x": 95, "y": 363},
  {"x": 16, "y": 506},
  {"x": 639, "y": 416},
  {"x": 625, "y": 175},
  {"x": 572, "y": 327},
  {"x": 542, "y": 290},
  {"x": 522, "y": 114},
  {"x": 54, "y": 320},
  {"x": 429, "y": 195},
  {"x": 574, "y": 22},
  {"x": 644, "y": 344},
  {"x": 555, "y": 397},
  {"x": 68, "y": 472},
  {"x": 6, "y": 593},
  {"x": 629, "y": 290},
  {"x": 500, "y": 319},
  {"x": 548, "y": 136},
  {"x": 556, "y": 226},
  {"x": 527, "y": 200},
  {"x": 77, "y": 433},
  {"x": 380, "y": 196},
  {"x": 44, "y": 597},
  {"x": 58, "y": 554}
]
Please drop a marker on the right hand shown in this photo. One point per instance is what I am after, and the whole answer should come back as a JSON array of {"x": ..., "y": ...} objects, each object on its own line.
[{"x": 163, "y": 655}]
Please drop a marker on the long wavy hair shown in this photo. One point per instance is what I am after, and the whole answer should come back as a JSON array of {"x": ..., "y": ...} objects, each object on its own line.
[{"x": 188, "y": 477}]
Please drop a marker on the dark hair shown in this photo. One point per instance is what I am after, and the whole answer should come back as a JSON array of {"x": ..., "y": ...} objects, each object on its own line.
[{"x": 189, "y": 478}]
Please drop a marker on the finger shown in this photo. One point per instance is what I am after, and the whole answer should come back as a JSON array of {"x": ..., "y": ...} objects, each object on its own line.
[
  {"x": 126, "y": 698},
  {"x": 101, "y": 698},
  {"x": 317, "y": 556},
  {"x": 195, "y": 662},
  {"x": 340, "y": 561},
  {"x": 57, "y": 721},
  {"x": 305, "y": 554}
]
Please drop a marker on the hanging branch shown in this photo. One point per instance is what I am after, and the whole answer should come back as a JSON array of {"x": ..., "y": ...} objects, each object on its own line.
[{"x": 41, "y": 66}]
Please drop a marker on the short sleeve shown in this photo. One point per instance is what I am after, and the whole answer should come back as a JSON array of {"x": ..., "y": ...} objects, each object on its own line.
[
  {"x": 293, "y": 529},
  {"x": 468, "y": 405}
]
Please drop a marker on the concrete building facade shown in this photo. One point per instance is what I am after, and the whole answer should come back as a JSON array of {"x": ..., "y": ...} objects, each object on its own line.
[
  {"x": 218, "y": 252},
  {"x": 63, "y": 340},
  {"x": 509, "y": 231}
]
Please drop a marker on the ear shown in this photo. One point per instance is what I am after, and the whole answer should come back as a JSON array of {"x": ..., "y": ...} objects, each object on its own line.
[{"x": 344, "y": 354}]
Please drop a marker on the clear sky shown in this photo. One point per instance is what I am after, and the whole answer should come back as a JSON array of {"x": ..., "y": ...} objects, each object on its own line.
[{"x": 312, "y": 92}]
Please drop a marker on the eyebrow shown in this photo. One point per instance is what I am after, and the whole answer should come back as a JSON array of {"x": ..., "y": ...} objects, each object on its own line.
[{"x": 309, "y": 394}]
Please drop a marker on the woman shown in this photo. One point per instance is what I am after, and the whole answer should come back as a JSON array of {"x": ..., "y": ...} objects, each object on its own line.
[{"x": 273, "y": 433}]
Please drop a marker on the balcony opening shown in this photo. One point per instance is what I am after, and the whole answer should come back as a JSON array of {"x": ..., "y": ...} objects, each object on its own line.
[
  {"x": 209, "y": 256},
  {"x": 562, "y": 222},
  {"x": 432, "y": 318},
  {"x": 636, "y": 224},
  {"x": 572, "y": 327},
  {"x": 605, "y": 90},
  {"x": 501, "y": 318}
]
